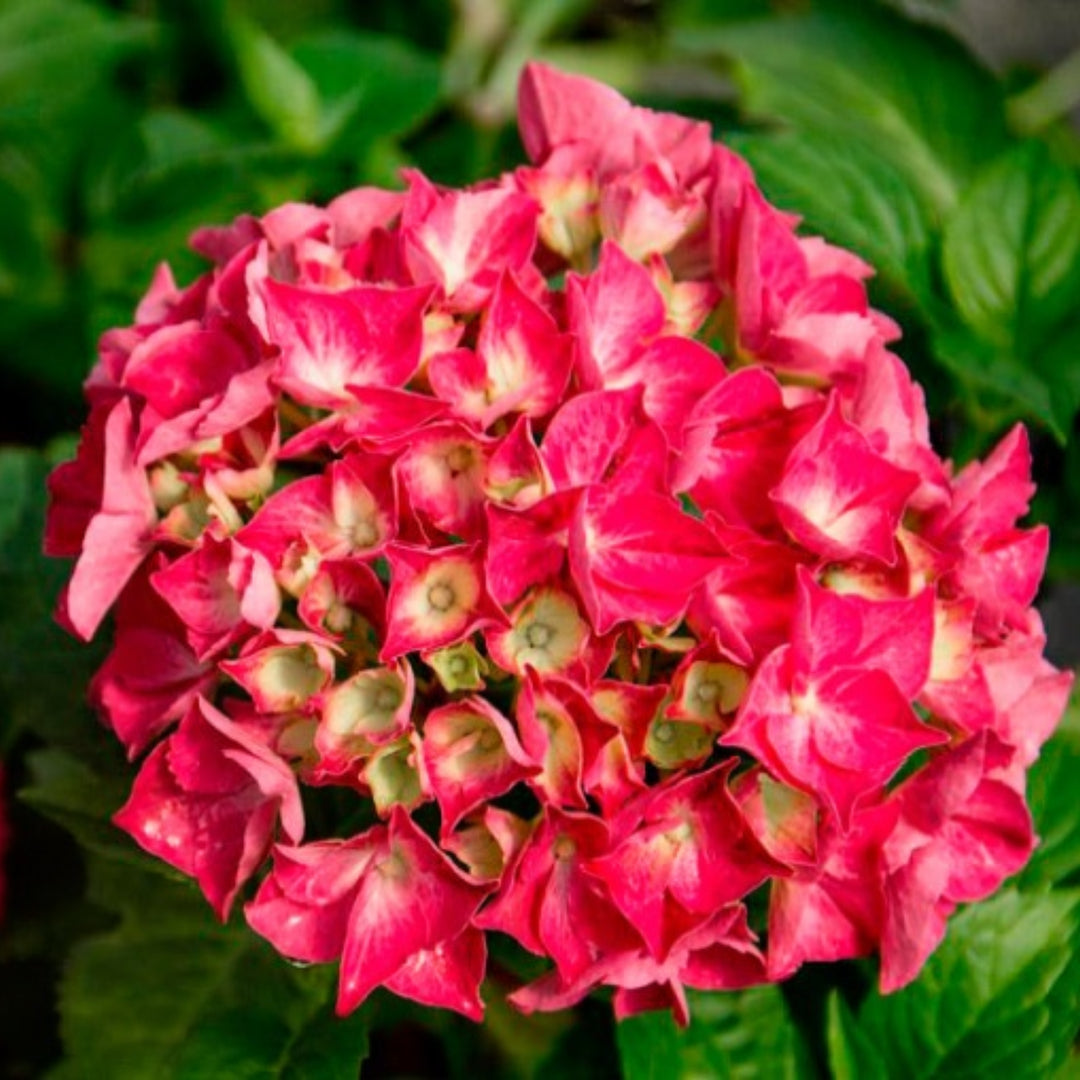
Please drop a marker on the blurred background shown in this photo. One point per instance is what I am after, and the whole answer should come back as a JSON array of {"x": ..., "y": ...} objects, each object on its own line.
[{"x": 937, "y": 138}]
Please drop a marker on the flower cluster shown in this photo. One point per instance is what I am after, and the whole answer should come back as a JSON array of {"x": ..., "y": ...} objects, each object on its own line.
[{"x": 574, "y": 544}]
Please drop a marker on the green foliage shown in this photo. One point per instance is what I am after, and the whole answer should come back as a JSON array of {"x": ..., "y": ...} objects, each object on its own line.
[
  {"x": 197, "y": 999},
  {"x": 743, "y": 1035},
  {"x": 65, "y": 789},
  {"x": 848, "y": 73},
  {"x": 739, "y": 1035},
  {"x": 279, "y": 90},
  {"x": 998, "y": 998},
  {"x": 43, "y": 671},
  {"x": 123, "y": 126},
  {"x": 1011, "y": 258},
  {"x": 921, "y": 176},
  {"x": 53, "y": 53},
  {"x": 648, "y": 1046},
  {"x": 373, "y": 87},
  {"x": 1052, "y": 798},
  {"x": 856, "y": 198}
]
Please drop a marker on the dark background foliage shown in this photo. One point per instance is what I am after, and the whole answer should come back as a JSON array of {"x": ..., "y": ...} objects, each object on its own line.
[{"x": 934, "y": 138}]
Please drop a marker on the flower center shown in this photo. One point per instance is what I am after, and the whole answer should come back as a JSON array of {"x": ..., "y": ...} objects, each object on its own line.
[
  {"x": 441, "y": 597},
  {"x": 538, "y": 635},
  {"x": 338, "y": 618},
  {"x": 708, "y": 692},
  {"x": 489, "y": 740},
  {"x": 459, "y": 459},
  {"x": 663, "y": 732},
  {"x": 364, "y": 534},
  {"x": 387, "y": 699},
  {"x": 564, "y": 849}
]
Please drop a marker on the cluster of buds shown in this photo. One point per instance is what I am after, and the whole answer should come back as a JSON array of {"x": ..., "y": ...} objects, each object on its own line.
[{"x": 564, "y": 556}]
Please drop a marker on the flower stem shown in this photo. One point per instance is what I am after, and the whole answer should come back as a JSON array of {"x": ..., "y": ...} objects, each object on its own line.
[{"x": 1054, "y": 95}]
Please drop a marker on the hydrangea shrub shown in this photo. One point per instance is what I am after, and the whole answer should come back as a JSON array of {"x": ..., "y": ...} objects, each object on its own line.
[{"x": 563, "y": 556}]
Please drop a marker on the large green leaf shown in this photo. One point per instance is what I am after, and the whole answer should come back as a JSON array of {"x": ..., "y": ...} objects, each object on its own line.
[
  {"x": 900, "y": 92},
  {"x": 1054, "y": 806},
  {"x": 1012, "y": 250},
  {"x": 26, "y": 271},
  {"x": 172, "y": 994},
  {"x": 851, "y": 196},
  {"x": 1058, "y": 363},
  {"x": 851, "y": 1054},
  {"x": 998, "y": 998}
]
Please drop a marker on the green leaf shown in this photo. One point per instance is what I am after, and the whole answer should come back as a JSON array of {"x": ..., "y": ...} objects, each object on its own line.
[
  {"x": 850, "y": 1055},
  {"x": 743, "y": 1035},
  {"x": 281, "y": 92},
  {"x": 900, "y": 92},
  {"x": 1011, "y": 251},
  {"x": 53, "y": 53},
  {"x": 373, "y": 86},
  {"x": 25, "y": 269},
  {"x": 172, "y": 994},
  {"x": 1059, "y": 364},
  {"x": 66, "y": 790},
  {"x": 648, "y": 1046},
  {"x": 738, "y": 1035},
  {"x": 1052, "y": 798},
  {"x": 1014, "y": 388},
  {"x": 998, "y": 998},
  {"x": 1011, "y": 258},
  {"x": 44, "y": 672},
  {"x": 327, "y": 1047},
  {"x": 852, "y": 197}
]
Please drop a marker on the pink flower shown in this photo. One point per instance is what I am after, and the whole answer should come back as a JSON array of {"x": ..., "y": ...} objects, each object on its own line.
[
  {"x": 689, "y": 853},
  {"x": 389, "y": 904},
  {"x": 102, "y": 511},
  {"x": 208, "y": 800},
  {"x": 961, "y": 831},
  {"x": 579, "y": 527},
  {"x": 829, "y": 713},
  {"x": 550, "y": 902},
  {"x": 139, "y": 700}
]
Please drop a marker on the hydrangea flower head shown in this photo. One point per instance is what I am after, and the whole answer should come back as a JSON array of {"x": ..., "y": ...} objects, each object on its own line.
[{"x": 582, "y": 529}]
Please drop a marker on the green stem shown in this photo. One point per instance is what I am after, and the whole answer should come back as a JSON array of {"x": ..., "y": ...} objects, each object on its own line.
[
  {"x": 537, "y": 22},
  {"x": 1051, "y": 98}
]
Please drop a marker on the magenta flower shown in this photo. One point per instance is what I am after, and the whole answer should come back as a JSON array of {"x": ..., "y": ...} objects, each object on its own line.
[
  {"x": 582, "y": 531},
  {"x": 208, "y": 799}
]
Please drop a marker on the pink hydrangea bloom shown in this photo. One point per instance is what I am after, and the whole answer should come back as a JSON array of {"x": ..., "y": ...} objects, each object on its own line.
[{"x": 586, "y": 517}]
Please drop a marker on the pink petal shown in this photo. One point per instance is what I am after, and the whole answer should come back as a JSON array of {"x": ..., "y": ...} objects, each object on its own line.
[
  {"x": 410, "y": 900},
  {"x": 638, "y": 558},
  {"x": 471, "y": 754},
  {"x": 118, "y": 533},
  {"x": 365, "y": 336},
  {"x": 840, "y": 499}
]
